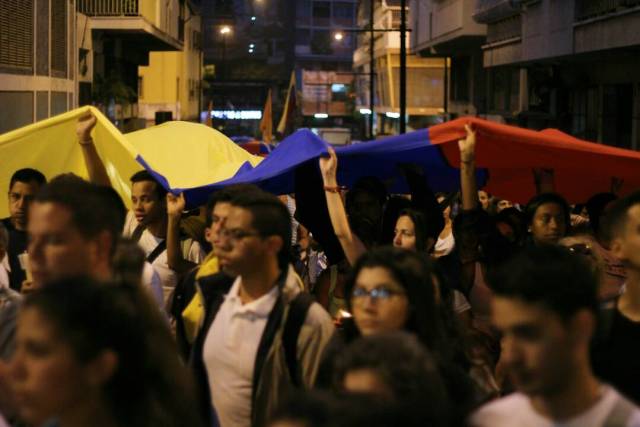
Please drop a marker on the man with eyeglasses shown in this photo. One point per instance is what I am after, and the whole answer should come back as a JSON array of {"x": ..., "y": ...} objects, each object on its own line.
[
  {"x": 266, "y": 337},
  {"x": 23, "y": 186}
]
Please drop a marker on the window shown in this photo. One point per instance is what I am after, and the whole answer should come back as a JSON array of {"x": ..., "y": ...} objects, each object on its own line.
[
  {"x": 343, "y": 13},
  {"x": 321, "y": 13},
  {"x": 59, "y": 37},
  {"x": 303, "y": 37},
  {"x": 303, "y": 12},
  {"x": 339, "y": 92},
  {"x": 16, "y": 35},
  {"x": 460, "y": 69},
  {"x": 321, "y": 43}
]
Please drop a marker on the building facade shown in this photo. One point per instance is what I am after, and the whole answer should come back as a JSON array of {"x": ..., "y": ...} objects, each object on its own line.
[
  {"x": 171, "y": 83},
  {"x": 322, "y": 58},
  {"x": 37, "y": 60},
  {"x": 568, "y": 64},
  {"x": 115, "y": 37},
  {"x": 446, "y": 29},
  {"x": 425, "y": 76}
]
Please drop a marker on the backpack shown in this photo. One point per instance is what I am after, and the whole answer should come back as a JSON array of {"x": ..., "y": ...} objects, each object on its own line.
[{"x": 298, "y": 309}]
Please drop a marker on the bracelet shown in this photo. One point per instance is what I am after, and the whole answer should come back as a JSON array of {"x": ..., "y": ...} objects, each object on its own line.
[
  {"x": 333, "y": 188},
  {"x": 86, "y": 142}
]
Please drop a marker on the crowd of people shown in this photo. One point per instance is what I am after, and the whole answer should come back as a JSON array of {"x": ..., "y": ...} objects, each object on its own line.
[{"x": 326, "y": 307}]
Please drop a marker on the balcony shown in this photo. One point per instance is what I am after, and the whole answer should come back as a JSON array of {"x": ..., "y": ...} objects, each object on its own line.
[
  {"x": 588, "y": 9},
  {"x": 504, "y": 29},
  {"x": 488, "y": 11},
  {"x": 142, "y": 23},
  {"x": 108, "y": 8}
]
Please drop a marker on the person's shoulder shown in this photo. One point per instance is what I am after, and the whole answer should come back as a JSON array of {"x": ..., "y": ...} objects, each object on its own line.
[
  {"x": 6, "y": 222},
  {"x": 503, "y": 411},
  {"x": 621, "y": 404},
  {"x": 317, "y": 317}
]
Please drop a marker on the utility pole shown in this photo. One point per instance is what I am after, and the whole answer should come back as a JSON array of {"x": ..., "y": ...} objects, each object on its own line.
[
  {"x": 372, "y": 63},
  {"x": 403, "y": 66}
]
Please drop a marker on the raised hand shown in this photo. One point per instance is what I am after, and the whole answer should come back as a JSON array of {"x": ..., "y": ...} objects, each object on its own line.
[
  {"x": 84, "y": 127},
  {"x": 175, "y": 205},
  {"x": 468, "y": 145},
  {"x": 328, "y": 167}
]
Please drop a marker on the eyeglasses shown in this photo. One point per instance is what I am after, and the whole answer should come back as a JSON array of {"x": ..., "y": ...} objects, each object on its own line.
[
  {"x": 236, "y": 234},
  {"x": 375, "y": 294},
  {"x": 580, "y": 249}
]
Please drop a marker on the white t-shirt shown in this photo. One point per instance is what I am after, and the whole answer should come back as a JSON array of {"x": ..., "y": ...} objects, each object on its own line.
[
  {"x": 151, "y": 281},
  {"x": 230, "y": 353},
  {"x": 148, "y": 242},
  {"x": 444, "y": 246},
  {"x": 516, "y": 410}
]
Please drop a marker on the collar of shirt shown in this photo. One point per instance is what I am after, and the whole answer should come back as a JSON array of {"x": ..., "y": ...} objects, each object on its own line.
[{"x": 260, "y": 307}]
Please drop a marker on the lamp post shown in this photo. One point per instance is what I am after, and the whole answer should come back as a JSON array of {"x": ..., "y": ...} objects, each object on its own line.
[
  {"x": 372, "y": 63},
  {"x": 403, "y": 62},
  {"x": 224, "y": 31},
  {"x": 403, "y": 66}
]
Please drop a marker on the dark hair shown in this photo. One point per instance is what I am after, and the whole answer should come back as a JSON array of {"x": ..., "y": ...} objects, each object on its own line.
[
  {"x": 269, "y": 217},
  {"x": 514, "y": 219},
  {"x": 323, "y": 409},
  {"x": 549, "y": 275},
  {"x": 128, "y": 261},
  {"x": 93, "y": 208},
  {"x": 370, "y": 185},
  {"x": 226, "y": 195},
  {"x": 411, "y": 271},
  {"x": 617, "y": 216},
  {"x": 546, "y": 198},
  {"x": 420, "y": 227},
  {"x": 149, "y": 387},
  {"x": 596, "y": 206},
  {"x": 406, "y": 368},
  {"x": 144, "y": 175},
  {"x": 27, "y": 175}
]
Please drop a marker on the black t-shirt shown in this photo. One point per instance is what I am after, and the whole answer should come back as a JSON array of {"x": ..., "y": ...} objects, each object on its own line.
[
  {"x": 17, "y": 245},
  {"x": 616, "y": 358}
]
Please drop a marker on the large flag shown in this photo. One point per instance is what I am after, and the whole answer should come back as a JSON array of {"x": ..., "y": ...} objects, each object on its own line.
[
  {"x": 266, "y": 124},
  {"x": 198, "y": 160},
  {"x": 285, "y": 126},
  {"x": 506, "y": 157},
  {"x": 179, "y": 154}
]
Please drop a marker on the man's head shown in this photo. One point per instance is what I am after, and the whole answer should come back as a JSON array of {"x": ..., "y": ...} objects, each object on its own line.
[
  {"x": 545, "y": 306},
  {"x": 218, "y": 208},
  {"x": 73, "y": 229},
  {"x": 148, "y": 198},
  {"x": 257, "y": 231},
  {"x": 23, "y": 186},
  {"x": 623, "y": 220}
]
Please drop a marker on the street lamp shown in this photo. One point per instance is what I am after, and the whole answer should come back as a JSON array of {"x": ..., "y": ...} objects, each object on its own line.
[{"x": 224, "y": 30}]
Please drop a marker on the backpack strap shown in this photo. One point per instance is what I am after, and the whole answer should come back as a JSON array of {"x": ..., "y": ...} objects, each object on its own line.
[
  {"x": 137, "y": 233},
  {"x": 298, "y": 309},
  {"x": 620, "y": 413},
  {"x": 162, "y": 246}
]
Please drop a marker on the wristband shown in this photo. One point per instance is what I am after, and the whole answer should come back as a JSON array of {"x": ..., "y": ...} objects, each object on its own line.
[
  {"x": 86, "y": 142},
  {"x": 333, "y": 188}
]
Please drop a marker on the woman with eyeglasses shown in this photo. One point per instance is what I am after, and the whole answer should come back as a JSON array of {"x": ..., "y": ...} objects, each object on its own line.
[{"x": 391, "y": 289}]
